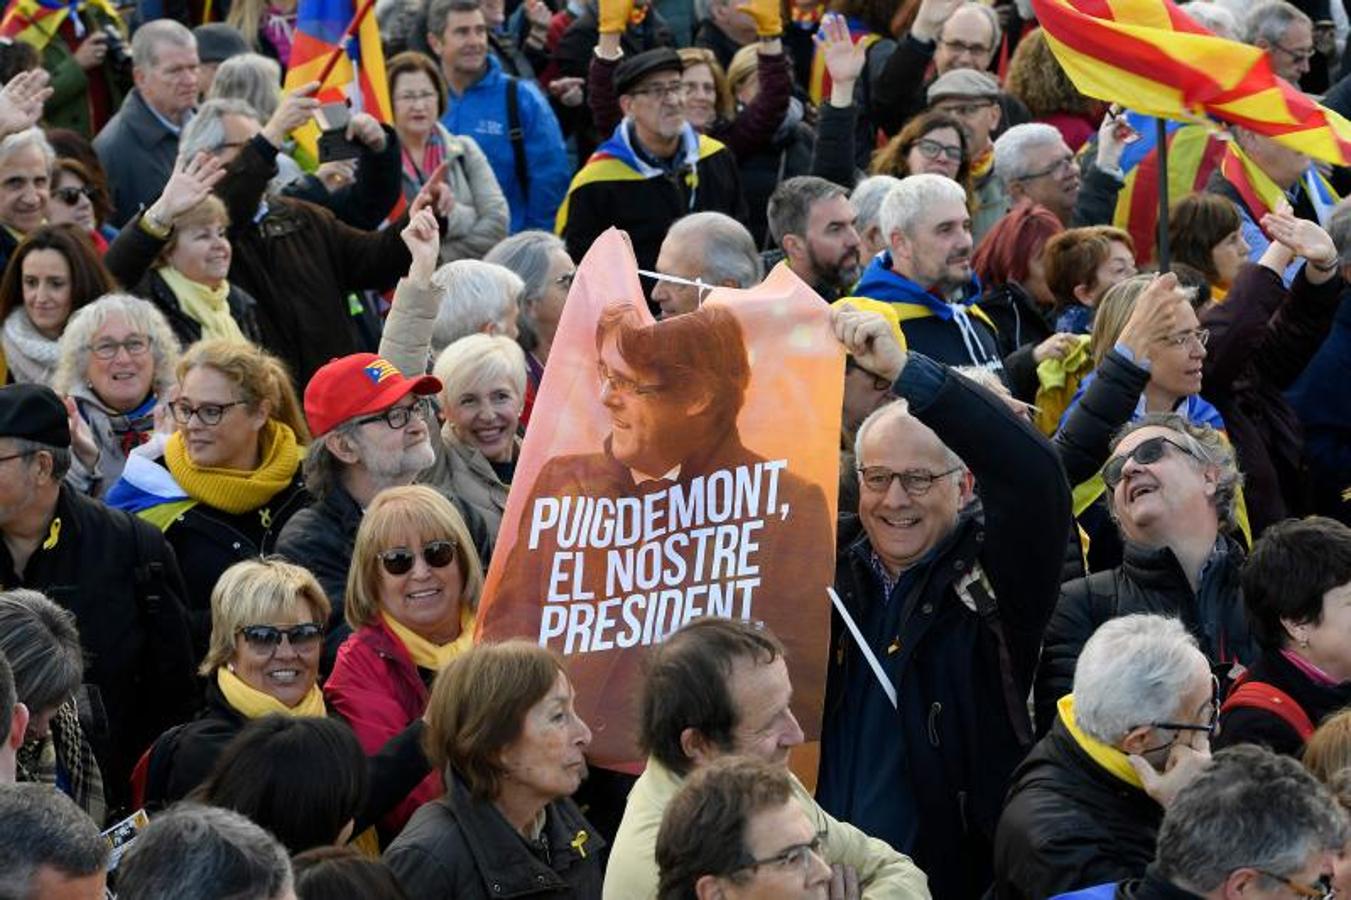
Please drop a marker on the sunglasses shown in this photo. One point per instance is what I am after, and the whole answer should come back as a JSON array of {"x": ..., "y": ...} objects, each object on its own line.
[
  {"x": 437, "y": 554},
  {"x": 267, "y": 638},
  {"x": 71, "y": 195},
  {"x": 1145, "y": 453}
]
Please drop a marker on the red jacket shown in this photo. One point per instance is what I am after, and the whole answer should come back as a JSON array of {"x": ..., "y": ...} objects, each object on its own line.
[{"x": 376, "y": 687}]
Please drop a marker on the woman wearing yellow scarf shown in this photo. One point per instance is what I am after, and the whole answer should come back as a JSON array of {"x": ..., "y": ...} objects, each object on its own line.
[
  {"x": 222, "y": 486},
  {"x": 411, "y": 593},
  {"x": 266, "y": 636}
]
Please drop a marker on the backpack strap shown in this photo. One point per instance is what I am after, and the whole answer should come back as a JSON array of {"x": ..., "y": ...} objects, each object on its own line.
[
  {"x": 1271, "y": 699},
  {"x": 516, "y": 134},
  {"x": 976, "y": 589}
]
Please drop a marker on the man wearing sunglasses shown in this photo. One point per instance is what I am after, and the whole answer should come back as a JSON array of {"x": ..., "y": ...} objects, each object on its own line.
[
  {"x": 1085, "y": 805},
  {"x": 371, "y": 428},
  {"x": 949, "y": 572},
  {"x": 1251, "y": 826},
  {"x": 1171, "y": 487}
]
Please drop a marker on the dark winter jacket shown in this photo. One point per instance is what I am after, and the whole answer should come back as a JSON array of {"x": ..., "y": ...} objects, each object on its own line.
[
  {"x": 137, "y": 152},
  {"x": 1324, "y": 407},
  {"x": 1261, "y": 338},
  {"x": 464, "y": 848},
  {"x": 1069, "y": 823},
  {"x": 120, "y": 579},
  {"x": 1021, "y": 326},
  {"x": 1149, "y": 580},
  {"x": 958, "y": 638},
  {"x": 788, "y": 155},
  {"x": 1247, "y": 725}
]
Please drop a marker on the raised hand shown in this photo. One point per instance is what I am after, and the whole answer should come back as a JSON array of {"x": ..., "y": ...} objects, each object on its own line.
[
  {"x": 843, "y": 57},
  {"x": 767, "y": 14},
  {"x": 423, "y": 238},
  {"x": 295, "y": 109},
  {"x": 81, "y": 437},
  {"x": 191, "y": 181},
  {"x": 92, "y": 51},
  {"x": 1154, "y": 317},
  {"x": 614, "y": 16},
  {"x": 435, "y": 194},
  {"x": 931, "y": 16},
  {"x": 364, "y": 129},
  {"x": 21, "y": 101},
  {"x": 1184, "y": 764},
  {"x": 869, "y": 339},
  {"x": 1303, "y": 237}
]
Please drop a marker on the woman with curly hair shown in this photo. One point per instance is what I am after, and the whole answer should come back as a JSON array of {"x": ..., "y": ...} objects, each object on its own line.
[
  {"x": 932, "y": 142},
  {"x": 1036, "y": 78}
]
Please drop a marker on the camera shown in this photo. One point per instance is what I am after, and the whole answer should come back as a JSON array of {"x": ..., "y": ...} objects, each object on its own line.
[{"x": 117, "y": 48}]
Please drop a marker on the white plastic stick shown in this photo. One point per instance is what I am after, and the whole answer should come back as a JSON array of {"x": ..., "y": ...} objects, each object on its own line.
[{"x": 868, "y": 654}]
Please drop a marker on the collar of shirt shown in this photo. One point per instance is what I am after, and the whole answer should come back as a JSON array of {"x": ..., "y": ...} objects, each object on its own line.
[
  {"x": 175, "y": 130},
  {"x": 673, "y": 474}
]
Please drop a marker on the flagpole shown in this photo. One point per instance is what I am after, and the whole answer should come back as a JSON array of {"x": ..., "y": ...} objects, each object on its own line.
[
  {"x": 352, "y": 26},
  {"x": 1161, "y": 242}
]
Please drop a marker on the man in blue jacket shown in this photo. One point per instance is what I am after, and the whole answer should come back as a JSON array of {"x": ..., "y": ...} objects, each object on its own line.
[
  {"x": 509, "y": 118},
  {"x": 926, "y": 273}
]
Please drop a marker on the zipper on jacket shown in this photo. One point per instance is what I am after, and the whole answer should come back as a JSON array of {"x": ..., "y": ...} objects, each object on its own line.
[{"x": 934, "y": 711}]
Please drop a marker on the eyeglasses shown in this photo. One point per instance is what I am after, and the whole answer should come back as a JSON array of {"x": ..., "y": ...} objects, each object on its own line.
[
  {"x": 1302, "y": 53},
  {"x": 71, "y": 195},
  {"x": 956, "y": 47},
  {"x": 1056, "y": 169},
  {"x": 437, "y": 554},
  {"x": 136, "y": 345},
  {"x": 1179, "y": 727},
  {"x": 932, "y": 149},
  {"x": 662, "y": 91},
  {"x": 796, "y": 857},
  {"x": 19, "y": 455},
  {"x": 878, "y": 382},
  {"x": 1145, "y": 453},
  {"x": 267, "y": 638},
  {"x": 416, "y": 97},
  {"x": 207, "y": 413},
  {"x": 915, "y": 482},
  {"x": 1322, "y": 889},
  {"x": 1200, "y": 335},
  {"x": 619, "y": 384},
  {"x": 398, "y": 417}
]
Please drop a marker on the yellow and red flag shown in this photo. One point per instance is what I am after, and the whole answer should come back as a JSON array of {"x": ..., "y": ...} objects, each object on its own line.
[
  {"x": 323, "y": 28},
  {"x": 35, "y": 22},
  {"x": 1151, "y": 56}
]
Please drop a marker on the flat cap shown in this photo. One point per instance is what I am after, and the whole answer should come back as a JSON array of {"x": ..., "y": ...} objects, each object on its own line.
[
  {"x": 33, "y": 412},
  {"x": 217, "y": 42},
  {"x": 963, "y": 83},
  {"x": 634, "y": 69}
]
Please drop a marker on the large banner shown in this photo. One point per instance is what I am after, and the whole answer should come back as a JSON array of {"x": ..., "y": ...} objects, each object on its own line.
[{"x": 673, "y": 470}]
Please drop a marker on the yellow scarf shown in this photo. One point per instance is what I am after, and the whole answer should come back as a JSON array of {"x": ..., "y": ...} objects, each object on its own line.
[
  {"x": 252, "y": 703},
  {"x": 1105, "y": 755},
  {"x": 1218, "y": 293},
  {"x": 238, "y": 491},
  {"x": 982, "y": 164},
  {"x": 434, "y": 656},
  {"x": 207, "y": 305}
]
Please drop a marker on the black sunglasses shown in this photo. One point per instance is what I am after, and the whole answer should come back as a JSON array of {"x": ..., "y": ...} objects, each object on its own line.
[
  {"x": 71, "y": 195},
  {"x": 268, "y": 637},
  {"x": 1145, "y": 453},
  {"x": 399, "y": 561}
]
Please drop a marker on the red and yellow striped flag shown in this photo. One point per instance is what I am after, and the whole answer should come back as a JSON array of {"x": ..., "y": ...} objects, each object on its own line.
[{"x": 1150, "y": 56}]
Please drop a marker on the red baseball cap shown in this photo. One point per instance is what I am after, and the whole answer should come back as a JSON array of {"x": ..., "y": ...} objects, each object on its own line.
[{"x": 358, "y": 385}]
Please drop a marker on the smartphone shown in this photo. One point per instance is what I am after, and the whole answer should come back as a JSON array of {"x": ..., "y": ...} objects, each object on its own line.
[{"x": 333, "y": 119}]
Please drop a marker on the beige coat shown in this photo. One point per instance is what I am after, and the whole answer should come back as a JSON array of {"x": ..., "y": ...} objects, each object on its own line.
[
  {"x": 632, "y": 871},
  {"x": 479, "y": 218}
]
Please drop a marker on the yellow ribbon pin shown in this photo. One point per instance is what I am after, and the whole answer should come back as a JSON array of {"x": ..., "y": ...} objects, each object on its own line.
[
  {"x": 579, "y": 842},
  {"x": 53, "y": 534}
]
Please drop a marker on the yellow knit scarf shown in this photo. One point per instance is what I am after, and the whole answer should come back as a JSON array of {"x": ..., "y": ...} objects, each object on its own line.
[
  {"x": 252, "y": 703},
  {"x": 982, "y": 164},
  {"x": 1105, "y": 755},
  {"x": 209, "y": 306},
  {"x": 427, "y": 655},
  {"x": 238, "y": 491}
]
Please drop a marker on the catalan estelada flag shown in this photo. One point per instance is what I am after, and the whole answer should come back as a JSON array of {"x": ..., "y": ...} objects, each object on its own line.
[
  {"x": 35, "y": 22},
  {"x": 358, "y": 77},
  {"x": 1151, "y": 56}
]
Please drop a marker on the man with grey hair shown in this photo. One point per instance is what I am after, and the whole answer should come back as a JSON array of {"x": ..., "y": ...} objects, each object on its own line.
[
  {"x": 195, "y": 852},
  {"x": 1171, "y": 487},
  {"x": 704, "y": 250},
  {"x": 49, "y": 849},
  {"x": 1286, "y": 34},
  {"x": 26, "y": 161},
  {"x": 1215, "y": 17},
  {"x": 138, "y": 146},
  {"x": 1036, "y": 164},
  {"x": 926, "y": 715},
  {"x": 1252, "y": 825},
  {"x": 926, "y": 271},
  {"x": 1086, "y": 804},
  {"x": 867, "y": 198},
  {"x": 813, "y": 222},
  {"x": 114, "y": 571}
]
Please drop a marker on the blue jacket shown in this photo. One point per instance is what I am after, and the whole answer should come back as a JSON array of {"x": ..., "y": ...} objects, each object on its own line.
[
  {"x": 481, "y": 113},
  {"x": 955, "y": 334}
]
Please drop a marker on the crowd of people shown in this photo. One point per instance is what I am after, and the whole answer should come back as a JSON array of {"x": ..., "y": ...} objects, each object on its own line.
[{"x": 261, "y": 416}]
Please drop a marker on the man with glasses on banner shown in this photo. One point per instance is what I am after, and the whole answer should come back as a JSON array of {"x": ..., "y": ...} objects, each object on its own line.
[
  {"x": 115, "y": 572},
  {"x": 1086, "y": 804},
  {"x": 371, "y": 428},
  {"x": 944, "y": 582}
]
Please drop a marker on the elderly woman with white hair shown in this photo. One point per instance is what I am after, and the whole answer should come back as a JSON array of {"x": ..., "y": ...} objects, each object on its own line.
[
  {"x": 1086, "y": 805},
  {"x": 116, "y": 362}
]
